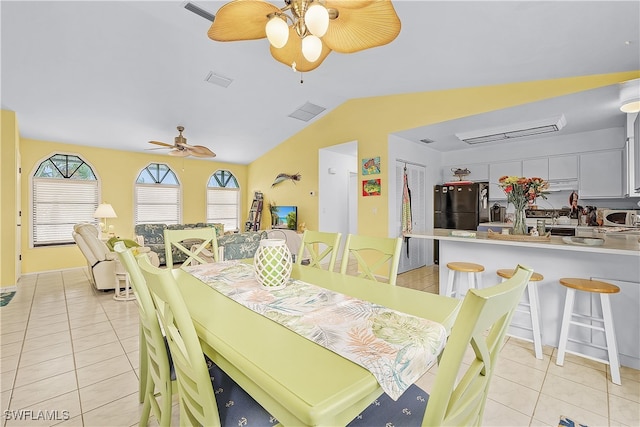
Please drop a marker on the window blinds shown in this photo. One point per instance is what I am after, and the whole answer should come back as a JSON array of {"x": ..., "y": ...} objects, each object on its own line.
[
  {"x": 157, "y": 203},
  {"x": 223, "y": 207}
]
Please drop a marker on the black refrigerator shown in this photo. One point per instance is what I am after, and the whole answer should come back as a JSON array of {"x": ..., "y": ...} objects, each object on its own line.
[{"x": 459, "y": 207}]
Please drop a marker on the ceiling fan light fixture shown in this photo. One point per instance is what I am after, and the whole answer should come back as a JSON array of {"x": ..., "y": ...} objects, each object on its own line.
[
  {"x": 311, "y": 48},
  {"x": 317, "y": 20},
  {"x": 277, "y": 31}
]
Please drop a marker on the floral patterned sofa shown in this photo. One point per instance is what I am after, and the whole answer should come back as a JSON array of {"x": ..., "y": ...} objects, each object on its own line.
[
  {"x": 152, "y": 236},
  {"x": 240, "y": 245}
]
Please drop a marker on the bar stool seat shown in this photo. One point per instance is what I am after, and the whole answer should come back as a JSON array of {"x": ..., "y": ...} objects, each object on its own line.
[
  {"x": 603, "y": 289},
  {"x": 474, "y": 277},
  {"x": 530, "y": 307}
]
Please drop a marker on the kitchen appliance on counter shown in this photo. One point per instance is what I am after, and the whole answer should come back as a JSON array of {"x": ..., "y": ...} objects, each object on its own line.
[
  {"x": 497, "y": 213},
  {"x": 618, "y": 217},
  {"x": 459, "y": 207},
  {"x": 556, "y": 221}
]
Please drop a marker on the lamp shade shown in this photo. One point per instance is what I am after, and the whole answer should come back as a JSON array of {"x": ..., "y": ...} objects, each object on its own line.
[
  {"x": 317, "y": 20},
  {"x": 630, "y": 96},
  {"x": 277, "y": 31},
  {"x": 105, "y": 210},
  {"x": 311, "y": 48}
]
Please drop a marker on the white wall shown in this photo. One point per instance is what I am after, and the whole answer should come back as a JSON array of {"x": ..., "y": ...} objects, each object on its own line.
[
  {"x": 405, "y": 150},
  {"x": 333, "y": 190}
]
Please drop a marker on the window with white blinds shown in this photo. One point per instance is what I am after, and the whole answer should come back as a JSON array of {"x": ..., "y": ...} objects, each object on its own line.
[
  {"x": 65, "y": 192},
  {"x": 157, "y": 196},
  {"x": 223, "y": 200}
]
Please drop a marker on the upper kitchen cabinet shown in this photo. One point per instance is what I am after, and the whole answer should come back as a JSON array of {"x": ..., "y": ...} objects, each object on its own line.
[
  {"x": 497, "y": 170},
  {"x": 601, "y": 174},
  {"x": 563, "y": 168},
  {"x": 479, "y": 172},
  {"x": 536, "y": 167}
]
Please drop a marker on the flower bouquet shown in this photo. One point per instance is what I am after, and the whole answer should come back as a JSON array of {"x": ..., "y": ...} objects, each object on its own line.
[{"x": 521, "y": 192}]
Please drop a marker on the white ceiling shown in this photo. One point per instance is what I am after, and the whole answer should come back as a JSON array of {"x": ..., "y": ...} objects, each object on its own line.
[{"x": 116, "y": 74}]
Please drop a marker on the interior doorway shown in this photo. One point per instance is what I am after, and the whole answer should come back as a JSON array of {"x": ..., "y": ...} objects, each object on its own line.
[
  {"x": 338, "y": 189},
  {"x": 414, "y": 250}
]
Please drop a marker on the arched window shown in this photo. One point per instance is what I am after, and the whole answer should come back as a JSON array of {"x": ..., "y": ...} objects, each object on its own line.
[
  {"x": 223, "y": 200},
  {"x": 157, "y": 196},
  {"x": 65, "y": 192}
]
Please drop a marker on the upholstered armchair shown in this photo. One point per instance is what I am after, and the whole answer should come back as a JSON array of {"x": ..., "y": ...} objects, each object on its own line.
[{"x": 103, "y": 264}]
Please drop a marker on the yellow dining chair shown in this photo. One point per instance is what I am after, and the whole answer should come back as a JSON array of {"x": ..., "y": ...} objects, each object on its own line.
[
  {"x": 199, "y": 406},
  {"x": 311, "y": 240},
  {"x": 372, "y": 253},
  {"x": 190, "y": 242},
  {"x": 155, "y": 359},
  {"x": 481, "y": 324}
]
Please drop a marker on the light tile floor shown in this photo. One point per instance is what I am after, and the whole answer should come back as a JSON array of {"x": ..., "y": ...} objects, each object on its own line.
[{"x": 69, "y": 354}]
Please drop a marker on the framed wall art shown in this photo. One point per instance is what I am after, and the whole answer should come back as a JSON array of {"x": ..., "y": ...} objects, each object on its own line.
[
  {"x": 371, "y": 166},
  {"x": 371, "y": 187}
]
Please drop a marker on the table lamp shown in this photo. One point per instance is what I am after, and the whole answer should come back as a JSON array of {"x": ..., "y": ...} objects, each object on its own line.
[{"x": 104, "y": 211}]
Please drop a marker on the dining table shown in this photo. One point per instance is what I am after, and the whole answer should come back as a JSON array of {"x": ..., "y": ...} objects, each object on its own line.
[{"x": 295, "y": 379}]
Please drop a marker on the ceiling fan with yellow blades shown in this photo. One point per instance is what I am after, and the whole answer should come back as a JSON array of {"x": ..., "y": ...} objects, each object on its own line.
[
  {"x": 304, "y": 32},
  {"x": 180, "y": 148}
]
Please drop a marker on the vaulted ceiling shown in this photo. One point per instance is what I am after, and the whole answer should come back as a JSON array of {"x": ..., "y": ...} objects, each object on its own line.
[{"x": 117, "y": 74}]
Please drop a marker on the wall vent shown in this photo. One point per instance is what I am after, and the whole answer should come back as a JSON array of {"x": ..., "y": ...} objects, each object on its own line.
[
  {"x": 307, "y": 112},
  {"x": 199, "y": 11},
  {"x": 217, "y": 79},
  {"x": 517, "y": 130}
]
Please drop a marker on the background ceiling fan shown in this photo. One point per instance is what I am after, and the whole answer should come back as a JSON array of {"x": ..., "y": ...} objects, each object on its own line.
[{"x": 180, "y": 148}]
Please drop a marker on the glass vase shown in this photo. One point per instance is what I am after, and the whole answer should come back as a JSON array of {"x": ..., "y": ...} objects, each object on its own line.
[{"x": 519, "y": 222}]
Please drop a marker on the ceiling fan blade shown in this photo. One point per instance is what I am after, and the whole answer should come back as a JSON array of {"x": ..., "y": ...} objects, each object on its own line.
[
  {"x": 164, "y": 144},
  {"x": 157, "y": 148},
  {"x": 201, "y": 151},
  {"x": 292, "y": 52},
  {"x": 241, "y": 20},
  {"x": 374, "y": 24},
  {"x": 179, "y": 153}
]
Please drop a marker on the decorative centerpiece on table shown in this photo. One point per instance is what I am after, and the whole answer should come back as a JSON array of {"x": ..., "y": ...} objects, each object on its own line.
[
  {"x": 522, "y": 192},
  {"x": 273, "y": 263}
]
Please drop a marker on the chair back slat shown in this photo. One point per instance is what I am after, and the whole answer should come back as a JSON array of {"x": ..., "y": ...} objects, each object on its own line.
[
  {"x": 151, "y": 342},
  {"x": 197, "y": 239},
  {"x": 482, "y": 323},
  {"x": 197, "y": 401},
  {"x": 312, "y": 242},
  {"x": 371, "y": 254}
]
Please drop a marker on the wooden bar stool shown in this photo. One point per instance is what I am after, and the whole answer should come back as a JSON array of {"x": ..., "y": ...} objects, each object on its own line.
[
  {"x": 474, "y": 277},
  {"x": 530, "y": 307},
  {"x": 603, "y": 289}
]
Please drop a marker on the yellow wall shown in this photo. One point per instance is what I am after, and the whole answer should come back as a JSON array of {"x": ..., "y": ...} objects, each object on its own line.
[
  {"x": 370, "y": 120},
  {"x": 117, "y": 172},
  {"x": 9, "y": 152}
]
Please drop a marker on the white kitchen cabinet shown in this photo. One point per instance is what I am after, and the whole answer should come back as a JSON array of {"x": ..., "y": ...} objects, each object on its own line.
[
  {"x": 479, "y": 172},
  {"x": 562, "y": 168},
  {"x": 601, "y": 174},
  {"x": 536, "y": 168},
  {"x": 497, "y": 170}
]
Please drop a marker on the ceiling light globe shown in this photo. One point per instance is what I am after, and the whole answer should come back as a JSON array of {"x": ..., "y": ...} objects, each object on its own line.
[
  {"x": 277, "y": 32},
  {"x": 311, "y": 48},
  {"x": 317, "y": 20},
  {"x": 630, "y": 96},
  {"x": 631, "y": 107}
]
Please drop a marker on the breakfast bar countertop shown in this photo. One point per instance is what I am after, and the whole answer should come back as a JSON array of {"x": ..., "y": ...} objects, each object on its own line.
[{"x": 614, "y": 244}]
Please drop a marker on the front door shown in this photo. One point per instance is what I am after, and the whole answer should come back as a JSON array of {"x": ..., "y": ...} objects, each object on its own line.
[{"x": 416, "y": 255}]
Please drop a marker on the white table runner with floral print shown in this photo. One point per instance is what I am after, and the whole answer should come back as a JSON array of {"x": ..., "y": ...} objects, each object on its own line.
[{"x": 397, "y": 348}]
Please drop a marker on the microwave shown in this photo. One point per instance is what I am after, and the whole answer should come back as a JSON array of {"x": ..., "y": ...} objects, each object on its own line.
[{"x": 620, "y": 217}]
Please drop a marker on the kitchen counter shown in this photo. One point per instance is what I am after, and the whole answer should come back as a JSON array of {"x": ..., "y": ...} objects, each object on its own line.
[
  {"x": 616, "y": 262},
  {"x": 614, "y": 243}
]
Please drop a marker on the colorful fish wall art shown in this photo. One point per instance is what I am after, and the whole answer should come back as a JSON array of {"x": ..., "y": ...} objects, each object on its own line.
[
  {"x": 282, "y": 177},
  {"x": 371, "y": 166}
]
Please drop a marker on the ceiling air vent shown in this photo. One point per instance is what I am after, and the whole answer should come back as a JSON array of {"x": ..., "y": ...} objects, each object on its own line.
[
  {"x": 307, "y": 112},
  {"x": 217, "y": 79},
  {"x": 427, "y": 140},
  {"x": 199, "y": 11},
  {"x": 518, "y": 130}
]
